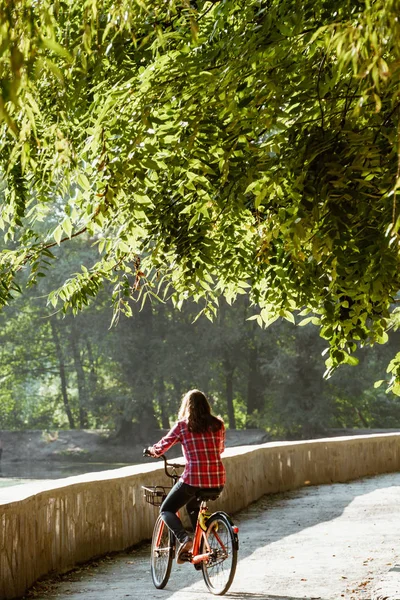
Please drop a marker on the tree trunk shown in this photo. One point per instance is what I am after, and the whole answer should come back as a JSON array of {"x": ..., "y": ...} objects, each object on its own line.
[
  {"x": 92, "y": 372},
  {"x": 253, "y": 391},
  {"x": 61, "y": 370},
  {"x": 229, "y": 371},
  {"x": 361, "y": 417},
  {"x": 81, "y": 379},
  {"x": 92, "y": 384},
  {"x": 162, "y": 403},
  {"x": 178, "y": 388}
]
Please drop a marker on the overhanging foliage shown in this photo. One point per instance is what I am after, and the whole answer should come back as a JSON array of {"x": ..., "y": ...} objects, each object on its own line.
[{"x": 211, "y": 148}]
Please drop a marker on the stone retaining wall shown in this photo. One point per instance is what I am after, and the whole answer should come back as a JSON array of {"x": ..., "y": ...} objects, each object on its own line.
[{"x": 54, "y": 525}]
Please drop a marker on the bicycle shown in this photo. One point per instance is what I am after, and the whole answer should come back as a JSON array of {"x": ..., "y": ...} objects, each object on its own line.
[{"x": 215, "y": 542}]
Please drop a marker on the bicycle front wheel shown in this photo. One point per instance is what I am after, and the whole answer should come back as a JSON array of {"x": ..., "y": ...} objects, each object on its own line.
[
  {"x": 219, "y": 569},
  {"x": 162, "y": 550}
]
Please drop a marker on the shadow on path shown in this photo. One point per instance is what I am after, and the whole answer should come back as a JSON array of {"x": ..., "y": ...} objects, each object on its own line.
[{"x": 306, "y": 507}]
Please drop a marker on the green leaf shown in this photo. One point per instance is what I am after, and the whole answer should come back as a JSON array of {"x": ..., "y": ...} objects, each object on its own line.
[
  {"x": 304, "y": 322},
  {"x": 289, "y": 317},
  {"x": 51, "y": 44},
  {"x": 58, "y": 234},
  {"x": 378, "y": 383},
  {"x": 67, "y": 226},
  {"x": 383, "y": 339},
  {"x": 193, "y": 220},
  {"x": 351, "y": 360},
  {"x": 83, "y": 181},
  {"x": 54, "y": 69}
]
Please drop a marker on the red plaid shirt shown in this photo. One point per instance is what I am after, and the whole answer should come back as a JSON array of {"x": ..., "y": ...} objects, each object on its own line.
[{"x": 202, "y": 452}]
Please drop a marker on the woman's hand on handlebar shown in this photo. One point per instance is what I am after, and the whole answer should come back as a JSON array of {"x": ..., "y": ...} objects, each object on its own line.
[{"x": 148, "y": 452}]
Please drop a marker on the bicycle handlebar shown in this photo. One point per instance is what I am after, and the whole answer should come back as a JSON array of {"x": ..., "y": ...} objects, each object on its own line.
[{"x": 167, "y": 464}]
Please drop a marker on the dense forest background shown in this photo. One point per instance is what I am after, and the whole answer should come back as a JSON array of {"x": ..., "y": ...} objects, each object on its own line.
[{"x": 66, "y": 371}]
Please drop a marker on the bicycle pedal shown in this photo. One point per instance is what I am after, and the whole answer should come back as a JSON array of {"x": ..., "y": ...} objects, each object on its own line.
[{"x": 186, "y": 556}]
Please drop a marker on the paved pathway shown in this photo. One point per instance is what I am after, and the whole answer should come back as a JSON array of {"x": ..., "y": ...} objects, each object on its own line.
[{"x": 319, "y": 543}]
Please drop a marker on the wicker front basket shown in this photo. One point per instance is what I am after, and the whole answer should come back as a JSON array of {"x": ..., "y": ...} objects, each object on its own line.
[{"x": 155, "y": 495}]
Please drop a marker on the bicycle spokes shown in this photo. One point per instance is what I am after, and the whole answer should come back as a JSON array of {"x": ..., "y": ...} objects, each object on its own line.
[
  {"x": 221, "y": 545},
  {"x": 161, "y": 554}
]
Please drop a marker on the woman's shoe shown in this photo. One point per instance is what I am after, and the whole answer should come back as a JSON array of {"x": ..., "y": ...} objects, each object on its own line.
[{"x": 184, "y": 548}]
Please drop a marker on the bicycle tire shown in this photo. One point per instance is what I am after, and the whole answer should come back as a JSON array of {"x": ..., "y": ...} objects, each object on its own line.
[
  {"x": 162, "y": 554},
  {"x": 219, "y": 570}
]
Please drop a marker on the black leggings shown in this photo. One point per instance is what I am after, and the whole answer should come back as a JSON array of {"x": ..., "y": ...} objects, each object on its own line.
[{"x": 182, "y": 494}]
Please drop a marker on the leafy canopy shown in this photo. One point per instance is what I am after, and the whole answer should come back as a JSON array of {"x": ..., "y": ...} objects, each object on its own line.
[{"x": 209, "y": 148}]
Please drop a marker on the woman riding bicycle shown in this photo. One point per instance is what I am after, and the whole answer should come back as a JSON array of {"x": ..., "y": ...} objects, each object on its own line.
[{"x": 202, "y": 436}]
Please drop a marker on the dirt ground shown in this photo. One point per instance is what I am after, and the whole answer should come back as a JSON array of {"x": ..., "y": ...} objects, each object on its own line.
[
  {"x": 100, "y": 446},
  {"x": 94, "y": 445}
]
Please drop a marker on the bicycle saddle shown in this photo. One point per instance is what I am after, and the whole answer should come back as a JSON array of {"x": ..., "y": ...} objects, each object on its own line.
[{"x": 208, "y": 494}]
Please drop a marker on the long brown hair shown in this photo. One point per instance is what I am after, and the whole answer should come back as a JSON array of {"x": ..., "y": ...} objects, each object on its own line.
[{"x": 196, "y": 410}]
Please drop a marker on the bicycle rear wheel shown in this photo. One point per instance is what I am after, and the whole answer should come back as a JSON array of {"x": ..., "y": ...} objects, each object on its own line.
[
  {"x": 219, "y": 569},
  {"x": 162, "y": 551}
]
